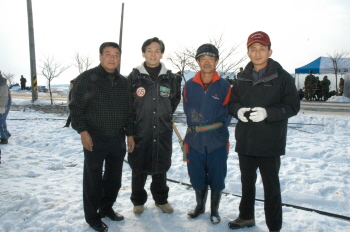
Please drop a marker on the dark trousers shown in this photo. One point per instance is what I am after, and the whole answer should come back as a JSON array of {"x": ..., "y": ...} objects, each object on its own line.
[
  {"x": 159, "y": 189},
  {"x": 325, "y": 95},
  {"x": 4, "y": 133},
  {"x": 207, "y": 169},
  {"x": 69, "y": 119},
  {"x": 269, "y": 168},
  {"x": 100, "y": 189}
]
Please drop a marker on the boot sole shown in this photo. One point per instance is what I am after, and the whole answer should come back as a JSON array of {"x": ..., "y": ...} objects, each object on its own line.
[
  {"x": 195, "y": 216},
  {"x": 240, "y": 227},
  {"x": 215, "y": 222}
]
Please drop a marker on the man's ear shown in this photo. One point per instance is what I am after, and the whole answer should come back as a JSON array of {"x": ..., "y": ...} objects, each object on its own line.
[
  {"x": 143, "y": 55},
  {"x": 270, "y": 52}
]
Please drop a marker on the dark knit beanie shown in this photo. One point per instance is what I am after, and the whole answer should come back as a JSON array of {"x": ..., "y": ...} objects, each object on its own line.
[{"x": 207, "y": 49}]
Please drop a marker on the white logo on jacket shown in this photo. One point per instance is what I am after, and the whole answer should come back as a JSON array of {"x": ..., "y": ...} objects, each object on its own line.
[
  {"x": 140, "y": 91},
  {"x": 215, "y": 96}
]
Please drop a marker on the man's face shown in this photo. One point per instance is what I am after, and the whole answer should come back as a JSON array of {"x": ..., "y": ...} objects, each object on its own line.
[
  {"x": 110, "y": 59},
  {"x": 259, "y": 55},
  {"x": 153, "y": 54},
  {"x": 207, "y": 64}
]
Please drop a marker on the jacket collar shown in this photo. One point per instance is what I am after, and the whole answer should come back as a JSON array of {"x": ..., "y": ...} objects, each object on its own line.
[
  {"x": 142, "y": 69},
  {"x": 270, "y": 74},
  {"x": 104, "y": 73},
  {"x": 197, "y": 78}
]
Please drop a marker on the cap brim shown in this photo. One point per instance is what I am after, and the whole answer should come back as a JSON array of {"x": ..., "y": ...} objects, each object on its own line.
[
  {"x": 207, "y": 54},
  {"x": 259, "y": 41}
]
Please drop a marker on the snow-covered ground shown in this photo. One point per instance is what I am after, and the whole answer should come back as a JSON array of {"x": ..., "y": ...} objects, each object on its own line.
[
  {"x": 42, "y": 168},
  {"x": 338, "y": 99}
]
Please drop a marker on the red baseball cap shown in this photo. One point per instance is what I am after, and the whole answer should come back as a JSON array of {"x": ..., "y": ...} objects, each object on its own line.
[{"x": 259, "y": 37}]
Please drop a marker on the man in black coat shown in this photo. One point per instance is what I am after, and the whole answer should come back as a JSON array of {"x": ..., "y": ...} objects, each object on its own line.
[
  {"x": 156, "y": 94},
  {"x": 262, "y": 99},
  {"x": 23, "y": 82},
  {"x": 101, "y": 111},
  {"x": 69, "y": 119}
]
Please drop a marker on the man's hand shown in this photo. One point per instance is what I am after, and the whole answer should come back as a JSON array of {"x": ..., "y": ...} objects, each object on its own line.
[
  {"x": 258, "y": 114},
  {"x": 86, "y": 140},
  {"x": 240, "y": 114},
  {"x": 131, "y": 144}
]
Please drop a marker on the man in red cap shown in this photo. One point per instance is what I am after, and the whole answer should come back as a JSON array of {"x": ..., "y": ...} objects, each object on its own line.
[{"x": 262, "y": 99}]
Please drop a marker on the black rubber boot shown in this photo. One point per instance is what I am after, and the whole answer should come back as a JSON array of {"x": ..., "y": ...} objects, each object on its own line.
[
  {"x": 214, "y": 207},
  {"x": 201, "y": 198}
]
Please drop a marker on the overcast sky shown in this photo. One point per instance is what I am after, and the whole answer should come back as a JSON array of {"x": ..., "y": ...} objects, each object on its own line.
[{"x": 300, "y": 30}]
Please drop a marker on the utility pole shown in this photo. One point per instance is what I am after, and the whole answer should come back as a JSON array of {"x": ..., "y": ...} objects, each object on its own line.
[
  {"x": 32, "y": 52},
  {"x": 121, "y": 33}
]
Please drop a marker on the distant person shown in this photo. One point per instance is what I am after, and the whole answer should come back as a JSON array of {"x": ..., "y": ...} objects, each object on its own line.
[
  {"x": 205, "y": 103},
  {"x": 101, "y": 111},
  {"x": 156, "y": 93},
  {"x": 309, "y": 83},
  {"x": 23, "y": 82},
  {"x": 318, "y": 89},
  {"x": 301, "y": 94},
  {"x": 69, "y": 100},
  {"x": 341, "y": 86},
  {"x": 325, "y": 83},
  {"x": 240, "y": 72},
  {"x": 262, "y": 100},
  {"x": 5, "y": 105}
]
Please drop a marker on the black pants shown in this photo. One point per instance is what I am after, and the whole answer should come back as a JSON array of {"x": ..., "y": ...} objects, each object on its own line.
[
  {"x": 100, "y": 189},
  {"x": 69, "y": 119},
  {"x": 159, "y": 189},
  {"x": 269, "y": 168}
]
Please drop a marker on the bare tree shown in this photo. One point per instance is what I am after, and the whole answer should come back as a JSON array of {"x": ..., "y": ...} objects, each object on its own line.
[
  {"x": 339, "y": 64},
  {"x": 82, "y": 62},
  {"x": 9, "y": 76},
  {"x": 51, "y": 69},
  {"x": 180, "y": 60},
  {"x": 227, "y": 66}
]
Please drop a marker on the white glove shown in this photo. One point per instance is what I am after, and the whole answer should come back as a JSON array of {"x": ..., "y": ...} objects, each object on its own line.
[
  {"x": 2, "y": 110},
  {"x": 240, "y": 114},
  {"x": 258, "y": 114}
]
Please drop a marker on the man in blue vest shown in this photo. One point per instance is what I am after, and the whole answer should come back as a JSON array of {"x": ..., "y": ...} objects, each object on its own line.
[{"x": 205, "y": 100}]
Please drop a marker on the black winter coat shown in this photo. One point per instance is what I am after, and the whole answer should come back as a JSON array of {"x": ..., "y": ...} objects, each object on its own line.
[
  {"x": 100, "y": 105},
  {"x": 276, "y": 92},
  {"x": 154, "y": 105}
]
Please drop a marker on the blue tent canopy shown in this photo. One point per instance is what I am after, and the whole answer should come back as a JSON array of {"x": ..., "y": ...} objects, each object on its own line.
[{"x": 324, "y": 65}]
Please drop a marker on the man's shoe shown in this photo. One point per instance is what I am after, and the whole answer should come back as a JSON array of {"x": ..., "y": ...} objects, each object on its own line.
[
  {"x": 113, "y": 216},
  {"x": 167, "y": 208},
  {"x": 239, "y": 223},
  {"x": 274, "y": 230},
  {"x": 101, "y": 227},
  {"x": 138, "y": 209},
  {"x": 4, "y": 141}
]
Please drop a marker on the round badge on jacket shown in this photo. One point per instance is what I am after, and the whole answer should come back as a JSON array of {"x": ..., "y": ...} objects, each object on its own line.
[{"x": 140, "y": 91}]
